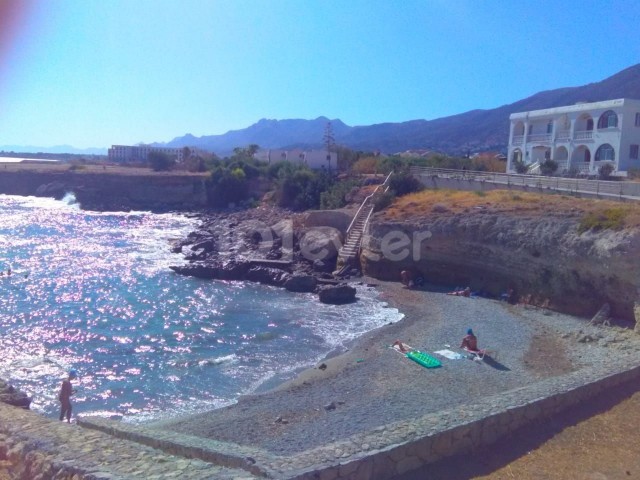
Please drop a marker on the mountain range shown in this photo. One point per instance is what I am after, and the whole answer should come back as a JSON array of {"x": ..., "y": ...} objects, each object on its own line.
[{"x": 472, "y": 131}]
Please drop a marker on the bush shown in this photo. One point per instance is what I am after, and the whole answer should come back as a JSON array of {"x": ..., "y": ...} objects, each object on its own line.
[
  {"x": 404, "y": 183},
  {"x": 335, "y": 196},
  {"x": 520, "y": 167},
  {"x": 383, "y": 200},
  {"x": 611, "y": 218},
  {"x": 548, "y": 167},
  {"x": 605, "y": 171},
  {"x": 160, "y": 161}
]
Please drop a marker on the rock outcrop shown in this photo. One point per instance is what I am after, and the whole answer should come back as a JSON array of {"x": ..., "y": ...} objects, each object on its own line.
[
  {"x": 11, "y": 396},
  {"x": 545, "y": 260}
]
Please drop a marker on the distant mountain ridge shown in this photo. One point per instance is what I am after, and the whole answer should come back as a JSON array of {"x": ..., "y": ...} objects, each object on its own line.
[
  {"x": 475, "y": 130},
  {"x": 58, "y": 149}
]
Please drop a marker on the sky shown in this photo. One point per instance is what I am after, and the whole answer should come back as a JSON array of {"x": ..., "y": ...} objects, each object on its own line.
[{"x": 92, "y": 73}]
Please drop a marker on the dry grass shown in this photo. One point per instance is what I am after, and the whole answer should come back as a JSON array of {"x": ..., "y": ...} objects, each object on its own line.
[{"x": 593, "y": 213}]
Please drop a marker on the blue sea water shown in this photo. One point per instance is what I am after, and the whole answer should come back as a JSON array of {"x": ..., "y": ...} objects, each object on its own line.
[{"x": 93, "y": 291}]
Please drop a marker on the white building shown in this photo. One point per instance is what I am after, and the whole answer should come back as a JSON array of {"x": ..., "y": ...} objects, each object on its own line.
[
  {"x": 314, "y": 159},
  {"x": 140, "y": 153},
  {"x": 580, "y": 138}
]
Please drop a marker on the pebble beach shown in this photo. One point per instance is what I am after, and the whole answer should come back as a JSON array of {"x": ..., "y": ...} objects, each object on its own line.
[{"x": 371, "y": 385}]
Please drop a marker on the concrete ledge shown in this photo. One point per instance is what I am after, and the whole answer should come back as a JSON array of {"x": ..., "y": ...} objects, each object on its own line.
[{"x": 219, "y": 453}]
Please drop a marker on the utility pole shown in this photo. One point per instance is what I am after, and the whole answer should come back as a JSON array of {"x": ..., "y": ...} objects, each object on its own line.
[{"x": 329, "y": 142}]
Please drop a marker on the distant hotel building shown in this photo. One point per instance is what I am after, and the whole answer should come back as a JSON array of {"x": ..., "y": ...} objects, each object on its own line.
[
  {"x": 580, "y": 138},
  {"x": 314, "y": 159},
  {"x": 140, "y": 153}
]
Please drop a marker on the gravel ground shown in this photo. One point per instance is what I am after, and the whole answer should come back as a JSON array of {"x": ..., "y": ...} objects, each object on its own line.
[{"x": 371, "y": 384}]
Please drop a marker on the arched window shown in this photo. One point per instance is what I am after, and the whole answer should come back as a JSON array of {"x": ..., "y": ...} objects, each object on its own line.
[
  {"x": 608, "y": 119},
  {"x": 605, "y": 152}
]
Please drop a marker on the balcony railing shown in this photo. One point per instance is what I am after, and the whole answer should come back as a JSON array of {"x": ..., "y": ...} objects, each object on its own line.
[
  {"x": 564, "y": 135},
  {"x": 583, "y": 135},
  {"x": 539, "y": 137},
  {"x": 517, "y": 139}
]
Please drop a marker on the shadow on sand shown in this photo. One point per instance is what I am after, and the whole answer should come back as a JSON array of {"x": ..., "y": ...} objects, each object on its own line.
[{"x": 493, "y": 363}]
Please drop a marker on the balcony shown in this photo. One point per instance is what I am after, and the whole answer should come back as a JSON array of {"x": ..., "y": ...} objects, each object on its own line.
[
  {"x": 539, "y": 138},
  {"x": 563, "y": 136},
  {"x": 517, "y": 139},
  {"x": 583, "y": 135}
]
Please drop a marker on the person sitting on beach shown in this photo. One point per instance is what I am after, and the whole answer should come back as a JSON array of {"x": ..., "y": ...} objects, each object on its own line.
[
  {"x": 461, "y": 293},
  {"x": 470, "y": 342},
  {"x": 401, "y": 346},
  {"x": 407, "y": 278}
]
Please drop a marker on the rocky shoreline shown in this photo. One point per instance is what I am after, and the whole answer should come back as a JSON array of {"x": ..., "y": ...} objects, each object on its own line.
[{"x": 272, "y": 246}]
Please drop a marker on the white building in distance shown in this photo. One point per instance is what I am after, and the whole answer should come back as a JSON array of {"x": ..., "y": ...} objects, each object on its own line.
[
  {"x": 580, "y": 138},
  {"x": 314, "y": 159},
  {"x": 140, "y": 153}
]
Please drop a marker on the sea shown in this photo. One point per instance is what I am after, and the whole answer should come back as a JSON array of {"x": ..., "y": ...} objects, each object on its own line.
[{"x": 93, "y": 291}]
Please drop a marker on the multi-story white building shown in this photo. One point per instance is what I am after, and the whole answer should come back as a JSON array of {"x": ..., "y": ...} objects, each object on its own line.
[
  {"x": 314, "y": 159},
  {"x": 580, "y": 138},
  {"x": 140, "y": 153}
]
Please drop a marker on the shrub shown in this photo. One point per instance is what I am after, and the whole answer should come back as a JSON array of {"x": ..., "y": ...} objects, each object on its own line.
[
  {"x": 383, "y": 200},
  {"x": 605, "y": 171},
  {"x": 611, "y": 218},
  {"x": 520, "y": 167},
  {"x": 160, "y": 161},
  {"x": 548, "y": 167},
  {"x": 404, "y": 183}
]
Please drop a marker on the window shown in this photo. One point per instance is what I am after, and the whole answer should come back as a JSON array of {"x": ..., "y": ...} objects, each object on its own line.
[
  {"x": 637, "y": 119},
  {"x": 633, "y": 152},
  {"x": 605, "y": 152},
  {"x": 550, "y": 127},
  {"x": 530, "y": 130},
  {"x": 608, "y": 119}
]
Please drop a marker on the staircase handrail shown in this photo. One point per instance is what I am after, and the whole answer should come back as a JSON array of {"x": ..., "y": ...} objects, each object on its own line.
[{"x": 355, "y": 217}]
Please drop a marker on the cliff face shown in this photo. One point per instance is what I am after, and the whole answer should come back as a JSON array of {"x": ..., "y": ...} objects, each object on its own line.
[
  {"x": 106, "y": 191},
  {"x": 543, "y": 259}
]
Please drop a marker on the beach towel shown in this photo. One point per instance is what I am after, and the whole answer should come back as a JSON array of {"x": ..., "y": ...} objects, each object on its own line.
[{"x": 449, "y": 354}]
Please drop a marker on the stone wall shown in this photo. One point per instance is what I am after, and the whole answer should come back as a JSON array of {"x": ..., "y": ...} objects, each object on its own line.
[{"x": 110, "y": 191}]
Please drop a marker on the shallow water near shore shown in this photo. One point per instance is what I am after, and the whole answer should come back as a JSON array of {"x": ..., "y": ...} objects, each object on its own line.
[{"x": 93, "y": 291}]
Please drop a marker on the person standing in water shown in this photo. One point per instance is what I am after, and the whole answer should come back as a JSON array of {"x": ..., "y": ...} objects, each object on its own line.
[{"x": 65, "y": 396}]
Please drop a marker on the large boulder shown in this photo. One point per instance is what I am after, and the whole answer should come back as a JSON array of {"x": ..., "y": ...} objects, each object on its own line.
[
  {"x": 301, "y": 283},
  {"x": 11, "y": 396},
  {"x": 54, "y": 189},
  {"x": 320, "y": 243},
  {"x": 337, "y": 294}
]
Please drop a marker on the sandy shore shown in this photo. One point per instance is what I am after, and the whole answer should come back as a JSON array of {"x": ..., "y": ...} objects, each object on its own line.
[{"x": 372, "y": 385}]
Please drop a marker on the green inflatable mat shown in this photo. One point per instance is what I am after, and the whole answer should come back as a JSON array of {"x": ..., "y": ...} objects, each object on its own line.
[{"x": 424, "y": 359}]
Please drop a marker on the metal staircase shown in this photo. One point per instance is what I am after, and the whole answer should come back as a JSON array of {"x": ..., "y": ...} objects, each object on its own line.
[{"x": 350, "y": 251}]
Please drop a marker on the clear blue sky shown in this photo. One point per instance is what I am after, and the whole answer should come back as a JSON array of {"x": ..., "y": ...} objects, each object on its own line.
[{"x": 91, "y": 73}]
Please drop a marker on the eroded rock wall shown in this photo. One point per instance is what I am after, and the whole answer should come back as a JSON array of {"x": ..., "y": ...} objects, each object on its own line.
[
  {"x": 105, "y": 191},
  {"x": 545, "y": 260}
]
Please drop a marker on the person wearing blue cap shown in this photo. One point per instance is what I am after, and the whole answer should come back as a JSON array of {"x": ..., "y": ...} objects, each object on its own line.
[
  {"x": 470, "y": 342},
  {"x": 65, "y": 396}
]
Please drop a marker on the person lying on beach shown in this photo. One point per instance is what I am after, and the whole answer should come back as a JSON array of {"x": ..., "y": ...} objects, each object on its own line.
[
  {"x": 461, "y": 293},
  {"x": 407, "y": 278},
  {"x": 401, "y": 347}
]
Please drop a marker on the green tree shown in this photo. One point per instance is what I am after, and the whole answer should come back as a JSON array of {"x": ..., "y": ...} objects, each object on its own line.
[{"x": 160, "y": 161}]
